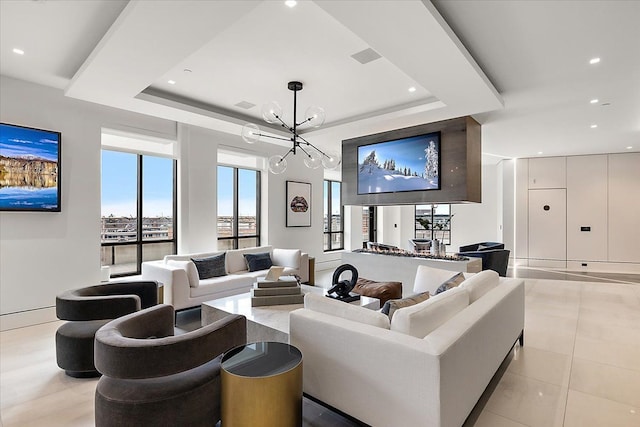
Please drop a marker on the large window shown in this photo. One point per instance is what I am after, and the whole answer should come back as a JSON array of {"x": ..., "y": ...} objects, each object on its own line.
[
  {"x": 333, "y": 223},
  {"x": 369, "y": 221},
  {"x": 238, "y": 208},
  {"x": 433, "y": 222},
  {"x": 138, "y": 210}
]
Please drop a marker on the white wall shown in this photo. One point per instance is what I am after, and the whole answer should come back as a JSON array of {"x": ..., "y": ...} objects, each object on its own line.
[
  {"x": 42, "y": 254},
  {"x": 479, "y": 222}
]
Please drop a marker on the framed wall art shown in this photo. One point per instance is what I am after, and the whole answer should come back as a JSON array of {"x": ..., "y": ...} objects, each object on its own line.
[{"x": 298, "y": 204}]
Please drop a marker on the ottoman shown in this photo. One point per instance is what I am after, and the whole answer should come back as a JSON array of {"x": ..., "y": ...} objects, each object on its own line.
[{"x": 384, "y": 291}]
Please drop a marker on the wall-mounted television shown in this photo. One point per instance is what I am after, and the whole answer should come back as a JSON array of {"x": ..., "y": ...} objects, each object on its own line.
[
  {"x": 405, "y": 164},
  {"x": 438, "y": 162},
  {"x": 29, "y": 169}
]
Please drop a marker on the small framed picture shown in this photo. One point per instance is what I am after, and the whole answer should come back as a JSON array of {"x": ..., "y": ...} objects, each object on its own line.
[{"x": 298, "y": 204}]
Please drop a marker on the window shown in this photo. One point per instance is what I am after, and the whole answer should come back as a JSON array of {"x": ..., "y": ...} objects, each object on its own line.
[
  {"x": 138, "y": 210},
  {"x": 369, "y": 221},
  {"x": 333, "y": 228},
  {"x": 438, "y": 225},
  {"x": 238, "y": 208}
]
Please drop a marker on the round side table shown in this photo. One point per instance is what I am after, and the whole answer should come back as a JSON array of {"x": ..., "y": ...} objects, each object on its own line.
[{"x": 262, "y": 385}]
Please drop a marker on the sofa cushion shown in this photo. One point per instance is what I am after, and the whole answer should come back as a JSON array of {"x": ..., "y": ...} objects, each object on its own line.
[
  {"x": 190, "y": 268},
  {"x": 210, "y": 267},
  {"x": 428, "y": 279},
  {"x": 322, "y": 304},
  {"x": 480, "y": 283},
  {"x": 421, "y": 319},
  {"x": 451, "y": 283},
  {"x": 222, "y": 284},
  {"x": 287, "y": 257},
  {"x": 256, "y": 262},
  {"x": 390, "y": 307}
]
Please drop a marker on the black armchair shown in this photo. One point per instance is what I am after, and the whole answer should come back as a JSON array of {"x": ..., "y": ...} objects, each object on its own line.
[
  {"x": 492, "y": 259},
  {"x": 87, "y": 310},
  {"x": 482, "y": 246},
  {"x": 152, "y": 377}
]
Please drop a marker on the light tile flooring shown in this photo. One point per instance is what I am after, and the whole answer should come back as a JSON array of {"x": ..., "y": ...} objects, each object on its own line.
[{"x": 580, "y": 366}]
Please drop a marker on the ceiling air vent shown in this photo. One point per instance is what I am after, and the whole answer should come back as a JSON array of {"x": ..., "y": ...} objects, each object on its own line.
[
  {"x": 366, "y": 56},
  {"x": 246, "y": 105}
]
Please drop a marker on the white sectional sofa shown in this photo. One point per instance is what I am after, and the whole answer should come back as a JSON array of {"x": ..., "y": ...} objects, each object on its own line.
[
  {"x": 428, "y": 366},
  {"x": 184, "y": 289}
]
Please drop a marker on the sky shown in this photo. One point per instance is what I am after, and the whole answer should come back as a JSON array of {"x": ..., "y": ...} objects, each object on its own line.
[
  {"x": 246, "y": 190},
  {"x": 407, "y": 152},
  {"x": 20, "y": 142},
  {"x": 119, "y": 185}
]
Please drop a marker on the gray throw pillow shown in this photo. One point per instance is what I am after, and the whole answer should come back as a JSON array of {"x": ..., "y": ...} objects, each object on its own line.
[
  {"x": 451, "y": 283},
  {"x": 211, "y": 266},
  {"x": 392, "y": 305},
  {"x": 257, "y": 262}
]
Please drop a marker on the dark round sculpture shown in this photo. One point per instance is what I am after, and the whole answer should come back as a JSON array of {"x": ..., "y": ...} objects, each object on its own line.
[{"x": 342, "y": 288}]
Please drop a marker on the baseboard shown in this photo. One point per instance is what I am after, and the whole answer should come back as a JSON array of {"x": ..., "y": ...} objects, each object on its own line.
[{"x": 27, "y": 318}]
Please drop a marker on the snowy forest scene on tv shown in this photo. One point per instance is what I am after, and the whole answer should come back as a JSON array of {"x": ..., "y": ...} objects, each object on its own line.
[{"x": 407, "y": 164}]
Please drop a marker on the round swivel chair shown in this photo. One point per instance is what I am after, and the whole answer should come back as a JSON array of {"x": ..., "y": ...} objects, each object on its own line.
[{"x": 87, "y": 310}]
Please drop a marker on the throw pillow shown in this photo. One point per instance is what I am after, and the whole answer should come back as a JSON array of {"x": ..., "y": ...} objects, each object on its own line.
[
  {"x": 428, "y": 279},
  {"x": 256, "y": 262},
  {"x": 480, "y": 283},
  {"x": 210, "y": 267},
  {"x": 451, "y": 283},
  {"x": 392, "y": 305}
]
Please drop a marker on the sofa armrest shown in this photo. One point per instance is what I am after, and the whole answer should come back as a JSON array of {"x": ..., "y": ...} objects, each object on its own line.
[
  {"x": 283, "y": 257},
  {"x": 173, "y": 278}
]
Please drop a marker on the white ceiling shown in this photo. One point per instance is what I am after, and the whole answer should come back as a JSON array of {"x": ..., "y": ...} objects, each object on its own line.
[{"x": 122, "y": 54}]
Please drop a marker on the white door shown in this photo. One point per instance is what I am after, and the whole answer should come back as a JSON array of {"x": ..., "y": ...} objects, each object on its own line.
[{"x": 548, "y": 224}]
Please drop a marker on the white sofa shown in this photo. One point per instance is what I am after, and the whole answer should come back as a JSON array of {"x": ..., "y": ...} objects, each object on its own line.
[
  {"x": 184, "y": 289},
  {"x": 387, "y": 373}
]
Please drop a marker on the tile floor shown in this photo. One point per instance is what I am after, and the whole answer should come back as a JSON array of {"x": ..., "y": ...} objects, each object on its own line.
[{"x": 580, "y": 366}]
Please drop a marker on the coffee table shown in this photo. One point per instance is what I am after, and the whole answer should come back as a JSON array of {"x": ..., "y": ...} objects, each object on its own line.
[{"x": 266, "y": 323}]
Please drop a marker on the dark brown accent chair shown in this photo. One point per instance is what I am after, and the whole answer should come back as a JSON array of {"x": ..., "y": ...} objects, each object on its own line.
[
  {"x": 155, "y": 378},
  {"x": 87, "y": 310}
]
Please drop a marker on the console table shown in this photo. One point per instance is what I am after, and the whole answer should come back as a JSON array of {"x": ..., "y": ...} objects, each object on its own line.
[{"x": 403, "y": 269}]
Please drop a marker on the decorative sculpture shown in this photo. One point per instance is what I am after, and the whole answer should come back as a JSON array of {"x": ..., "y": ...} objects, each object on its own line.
[{"x": 343, "y": 288}]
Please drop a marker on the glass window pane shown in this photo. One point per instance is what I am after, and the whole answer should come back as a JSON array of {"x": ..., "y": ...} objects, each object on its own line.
[
  {"x": 247, "y": 202},
  {"x": 119, "y": 189},
  {"x": 225, "y": 244},
  {"x": 247, "y": 242},
  {"x": 336, "y": 217},
  {"x": 336, "y": 241},
  {"x": 156, "y": 251},
  {"x": 121, "y": 259},
  {"x": 157, "y": 198},
  {"x": 365, "y": 223},
  {"x": 326, "y": 241},
  {"x": 225, "y": 201}
]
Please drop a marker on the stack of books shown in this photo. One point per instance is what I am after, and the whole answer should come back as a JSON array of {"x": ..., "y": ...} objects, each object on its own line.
[{"x": 284, "y": 290}]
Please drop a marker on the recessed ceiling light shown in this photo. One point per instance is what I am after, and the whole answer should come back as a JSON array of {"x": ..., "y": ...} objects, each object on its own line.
[
  {"x": 171, "y": 82},
  {"x": 594, "y": 101},
  {"x": 594, "y": 61},
  {"x": 18, "y": 51},
  {"x": 594, "y": 126},
  {"x": 412, "y": 89},
  {"x": 539, "y": 152},
  {"x": 291, "y": 3},
  {"x": 629, "y": 147}
]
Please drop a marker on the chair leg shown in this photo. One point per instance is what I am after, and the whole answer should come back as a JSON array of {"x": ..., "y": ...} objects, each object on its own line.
[{"x": 521, "y": 339}]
